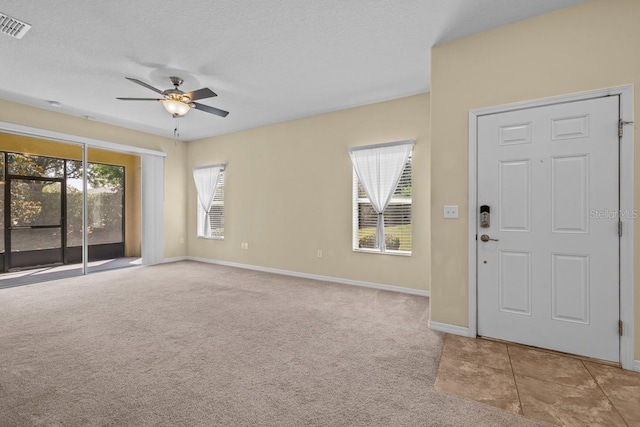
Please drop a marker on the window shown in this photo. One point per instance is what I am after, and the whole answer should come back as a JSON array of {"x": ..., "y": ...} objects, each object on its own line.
[
  {"x": 210, "y": 187},
  {"x": 397, "y": 213}
]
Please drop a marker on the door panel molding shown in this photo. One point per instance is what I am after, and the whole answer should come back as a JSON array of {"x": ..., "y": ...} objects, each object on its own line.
[{"x": 626, "y": 171}]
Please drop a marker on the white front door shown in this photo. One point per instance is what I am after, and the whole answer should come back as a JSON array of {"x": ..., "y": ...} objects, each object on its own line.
[{"x": 549, "y": 176}]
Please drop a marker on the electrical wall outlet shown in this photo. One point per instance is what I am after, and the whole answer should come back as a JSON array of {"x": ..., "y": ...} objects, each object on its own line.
[{"x": 451, "y": 211}]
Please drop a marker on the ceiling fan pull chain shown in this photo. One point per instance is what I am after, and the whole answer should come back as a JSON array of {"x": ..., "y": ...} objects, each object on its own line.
[{"x": 176, "y": 130}]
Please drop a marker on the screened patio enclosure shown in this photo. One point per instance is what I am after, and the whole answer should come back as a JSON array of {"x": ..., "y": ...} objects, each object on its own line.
[{"x": 55, "y": 197}]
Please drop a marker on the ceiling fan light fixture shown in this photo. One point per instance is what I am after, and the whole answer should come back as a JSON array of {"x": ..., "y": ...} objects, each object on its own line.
[{"x": 176, "y": 108}]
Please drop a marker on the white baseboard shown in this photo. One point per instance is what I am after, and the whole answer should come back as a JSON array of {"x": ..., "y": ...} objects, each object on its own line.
[
  {"x": 176, "y": 259},
  {"x": 449, "y": 329},
  {"x": 636, "y": 365},
  {"x": 331, "y": 279}
]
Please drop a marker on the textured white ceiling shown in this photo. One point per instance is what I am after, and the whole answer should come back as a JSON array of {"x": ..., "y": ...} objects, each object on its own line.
[{"x": 268, "y": 61}]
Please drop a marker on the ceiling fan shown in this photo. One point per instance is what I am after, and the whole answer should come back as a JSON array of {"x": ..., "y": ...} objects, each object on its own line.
[{"x": 177, "y": 102}]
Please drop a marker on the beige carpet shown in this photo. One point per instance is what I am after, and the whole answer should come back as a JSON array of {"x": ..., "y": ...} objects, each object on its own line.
[{"x": 191, "y": 344}]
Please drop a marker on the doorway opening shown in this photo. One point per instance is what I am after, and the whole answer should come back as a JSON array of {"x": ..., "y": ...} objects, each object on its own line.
[{"x": 43, "y": 209}]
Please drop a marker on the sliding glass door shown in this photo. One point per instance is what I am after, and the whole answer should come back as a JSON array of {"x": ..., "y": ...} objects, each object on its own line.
[
  {"x": 105, "y": 211},
  {"x": 44, "y": 205},
  {"x": 66, "y": 208}
]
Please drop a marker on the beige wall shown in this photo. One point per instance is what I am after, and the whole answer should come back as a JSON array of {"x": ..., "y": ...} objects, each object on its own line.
[
  {"x": 288, "y": 193},
  {"x": 590, "y": 46},
  {"x": 175, "y": 176}
]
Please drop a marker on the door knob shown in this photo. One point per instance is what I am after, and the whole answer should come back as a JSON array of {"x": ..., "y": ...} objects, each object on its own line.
[{"x": 486, "y": 238}]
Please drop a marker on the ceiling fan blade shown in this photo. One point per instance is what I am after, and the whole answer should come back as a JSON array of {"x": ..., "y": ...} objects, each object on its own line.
[
  {"x": 205, "y": 92},
  {"x": 211, "y": 110},
  {"x": 140, "y": 99},
  {"x": 144, "y": 84}
]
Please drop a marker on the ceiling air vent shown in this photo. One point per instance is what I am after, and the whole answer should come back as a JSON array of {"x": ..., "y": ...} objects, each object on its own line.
[{"x": 12, "y": 26}]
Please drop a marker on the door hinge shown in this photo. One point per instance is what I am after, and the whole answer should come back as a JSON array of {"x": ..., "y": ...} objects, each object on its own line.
[
  {"x": 619, "y": 228},
  {"x": 620, "y": 327},
  {"x": 621, "y": 125}
]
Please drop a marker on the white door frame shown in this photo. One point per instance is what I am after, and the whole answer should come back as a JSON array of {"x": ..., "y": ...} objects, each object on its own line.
[{"x": 626, "y": 205}]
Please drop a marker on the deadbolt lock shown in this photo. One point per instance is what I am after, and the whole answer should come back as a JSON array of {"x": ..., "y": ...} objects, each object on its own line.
[{"x": 485, "y": 215}]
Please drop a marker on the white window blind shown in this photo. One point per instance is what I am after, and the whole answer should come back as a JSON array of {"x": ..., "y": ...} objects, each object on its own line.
[
  {"x": 397, "y": 217},
  {"x": 216, "y": 211}
]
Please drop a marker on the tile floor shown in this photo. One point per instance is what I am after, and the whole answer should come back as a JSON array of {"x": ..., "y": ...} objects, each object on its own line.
[{"x": 545, "y": 386}]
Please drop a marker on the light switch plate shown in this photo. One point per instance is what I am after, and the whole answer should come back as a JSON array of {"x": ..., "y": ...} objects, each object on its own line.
[{"x": 451, "y": 211}]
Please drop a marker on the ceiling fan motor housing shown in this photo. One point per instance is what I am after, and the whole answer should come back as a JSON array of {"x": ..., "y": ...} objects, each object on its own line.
[{"x": 176, "y": 94}]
